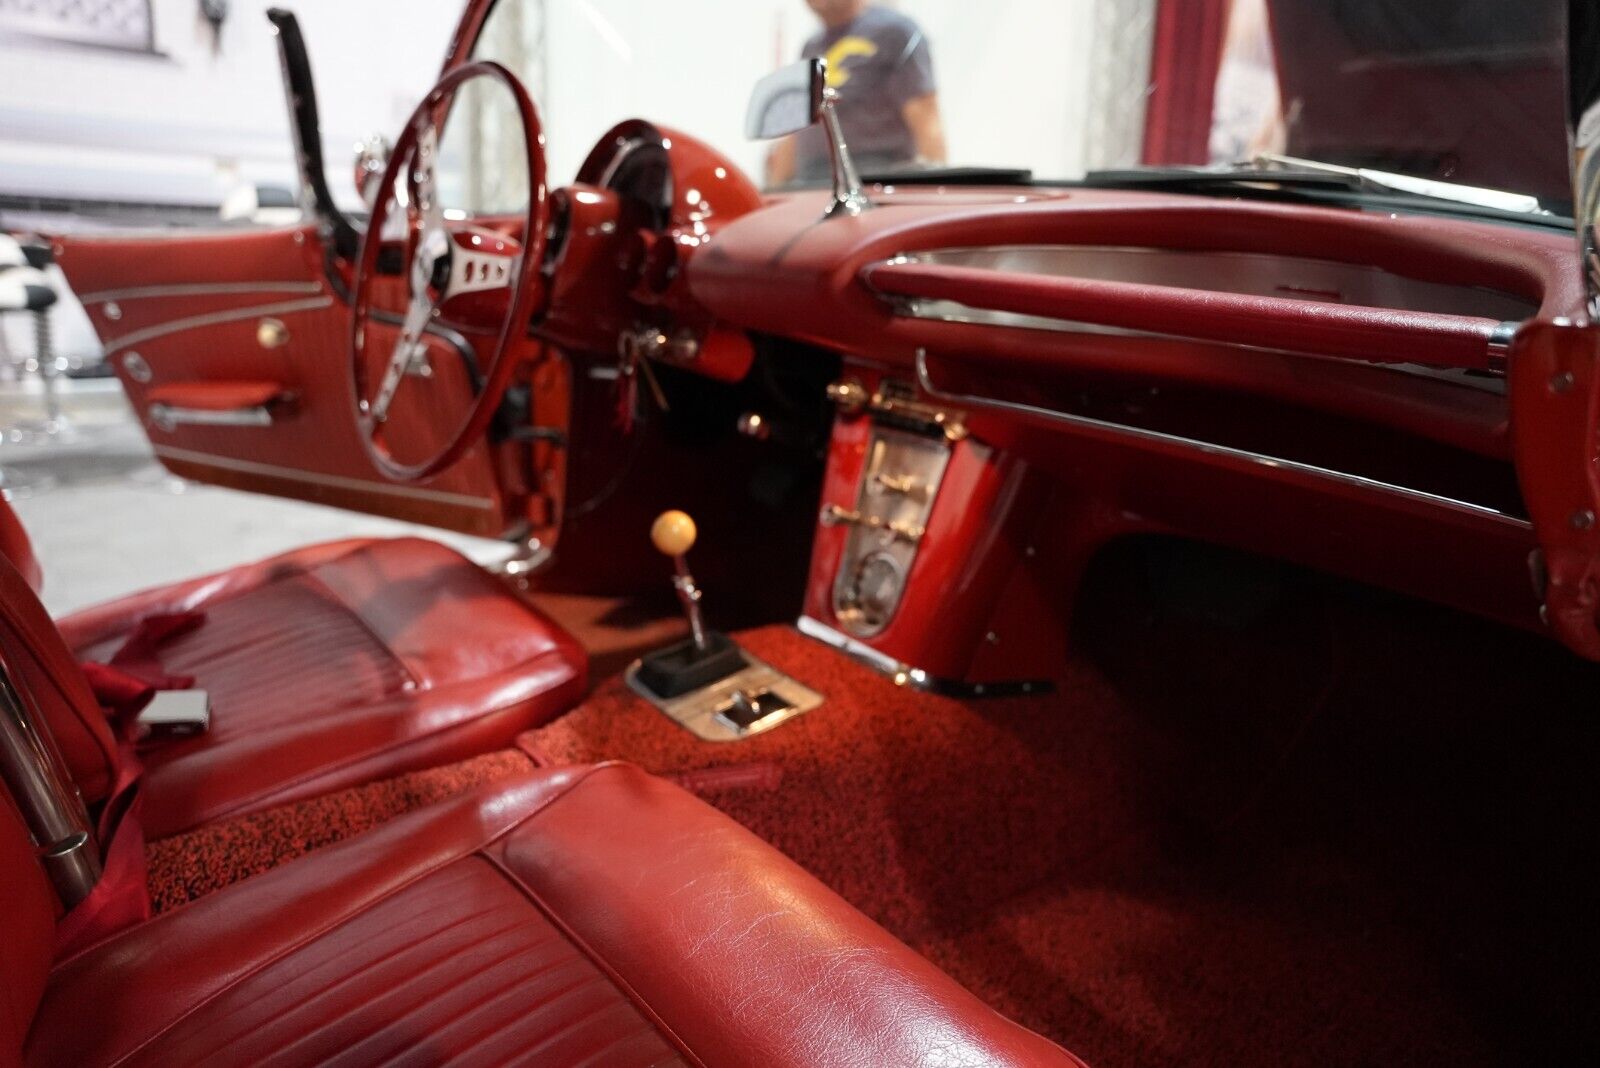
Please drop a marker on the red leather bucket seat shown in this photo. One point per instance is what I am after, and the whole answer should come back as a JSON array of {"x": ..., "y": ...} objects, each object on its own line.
[
  {"x": 326, "y": 667},
  {"x": 592, "y": 916}
]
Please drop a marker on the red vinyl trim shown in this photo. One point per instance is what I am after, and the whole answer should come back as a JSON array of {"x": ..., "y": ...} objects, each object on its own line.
[
  {"x": 216, "y": 396},
  {"x": 1373, "y": 335}
]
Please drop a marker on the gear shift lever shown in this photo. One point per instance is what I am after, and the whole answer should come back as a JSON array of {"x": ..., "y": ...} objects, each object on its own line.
[
  {"x": 673, "y": 534},
  {"x": 707, "y": 656}
]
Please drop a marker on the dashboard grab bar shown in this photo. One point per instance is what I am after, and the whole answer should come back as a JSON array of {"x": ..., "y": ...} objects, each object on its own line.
[{"x": 1281, "y": 324}]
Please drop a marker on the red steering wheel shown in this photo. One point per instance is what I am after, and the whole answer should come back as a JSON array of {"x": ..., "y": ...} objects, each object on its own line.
[{"x": 488, "y": 283}]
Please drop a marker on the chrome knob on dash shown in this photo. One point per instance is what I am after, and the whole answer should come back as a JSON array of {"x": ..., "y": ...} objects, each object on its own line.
[
  {"x": 848, "y": 395},
  {"x": 835, "y": 516}
]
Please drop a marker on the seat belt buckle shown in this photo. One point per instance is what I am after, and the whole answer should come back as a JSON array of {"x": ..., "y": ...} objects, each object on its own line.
[{"x": 177, "y": 714}]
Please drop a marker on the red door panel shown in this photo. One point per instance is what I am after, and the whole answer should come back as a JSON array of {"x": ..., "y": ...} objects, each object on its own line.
[{"x": 227, "y": 314}]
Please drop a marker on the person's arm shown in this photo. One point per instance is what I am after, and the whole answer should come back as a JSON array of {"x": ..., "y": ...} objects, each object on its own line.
[
  {"x": 921, "y": 114},
  {"x": 781, "y": 163}
]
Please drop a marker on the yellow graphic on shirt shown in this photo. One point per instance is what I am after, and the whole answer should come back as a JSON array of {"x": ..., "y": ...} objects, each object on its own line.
[{"x": 843, "y": 49}]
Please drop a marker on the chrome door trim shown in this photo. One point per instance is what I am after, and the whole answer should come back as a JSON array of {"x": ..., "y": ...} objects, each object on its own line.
[
  {"x": 291, "y": 474},
  {"x": 198, "y": 289},
  {"x": 196, "y": 322},
  {"x": 1206, "y": 448}
]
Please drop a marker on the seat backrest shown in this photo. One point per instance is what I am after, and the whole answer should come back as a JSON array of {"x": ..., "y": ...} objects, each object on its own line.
[
  {"x": 47, "y": 670},
  {"x": 16, "y": 546},
  {"x": 29, "y": 910}
]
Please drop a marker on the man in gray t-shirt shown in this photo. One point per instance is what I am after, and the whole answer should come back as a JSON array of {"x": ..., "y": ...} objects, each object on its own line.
[{"x": 880, "y": 65}]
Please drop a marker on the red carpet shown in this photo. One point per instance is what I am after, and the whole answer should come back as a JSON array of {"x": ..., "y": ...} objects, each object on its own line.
[
  {"x": 1229, "y": 861},
  {"x": 187, "y": 866}
]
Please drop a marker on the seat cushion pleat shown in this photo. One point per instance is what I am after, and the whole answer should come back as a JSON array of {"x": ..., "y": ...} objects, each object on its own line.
[
  {"x": 458, "y": 967},
  {"x": 287, "y": 650}
]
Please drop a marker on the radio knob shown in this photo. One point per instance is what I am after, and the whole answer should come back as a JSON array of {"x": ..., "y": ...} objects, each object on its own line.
[{"x": 848, "y": 395}]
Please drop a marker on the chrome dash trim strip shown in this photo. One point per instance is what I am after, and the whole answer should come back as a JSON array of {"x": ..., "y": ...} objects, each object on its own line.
[
  {"x": 195, "y": 322},
  {"x": 198, "y": 289},
  {"x": 939, "y": 310},
  {"x": 250, "y": 467},
  {"x": 1206, "y": 448}
]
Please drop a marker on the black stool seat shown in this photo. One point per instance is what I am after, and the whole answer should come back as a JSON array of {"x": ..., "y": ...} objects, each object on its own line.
[{"x": 25, "y": 289}]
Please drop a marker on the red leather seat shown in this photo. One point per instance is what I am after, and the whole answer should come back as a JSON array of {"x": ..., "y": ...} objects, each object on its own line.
[
  {"x": 579, "y": 916},
  {"x": 327, "y": 667}
]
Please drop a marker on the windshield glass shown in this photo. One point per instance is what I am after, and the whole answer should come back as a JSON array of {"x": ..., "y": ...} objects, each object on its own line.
[{"x": 1469, "y": 91}]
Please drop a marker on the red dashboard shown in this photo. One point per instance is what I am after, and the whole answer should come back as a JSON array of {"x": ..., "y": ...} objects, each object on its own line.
[{"x": 1317, "y": 384}]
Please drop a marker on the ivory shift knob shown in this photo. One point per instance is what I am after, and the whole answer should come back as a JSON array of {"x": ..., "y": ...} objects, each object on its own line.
[{"x": 673, "y": 533}]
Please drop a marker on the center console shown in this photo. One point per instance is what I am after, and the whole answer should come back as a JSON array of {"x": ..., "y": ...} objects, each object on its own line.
[{"x": 923, "y": 531}]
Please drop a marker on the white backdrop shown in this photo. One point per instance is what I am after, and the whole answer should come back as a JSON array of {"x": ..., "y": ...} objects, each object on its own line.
[{"x": 187, "y": 124}]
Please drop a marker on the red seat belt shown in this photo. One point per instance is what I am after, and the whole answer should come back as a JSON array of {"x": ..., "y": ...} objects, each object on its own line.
[
  {"x": 135, "y": 675},
  {"x": 124, "y": 687}
]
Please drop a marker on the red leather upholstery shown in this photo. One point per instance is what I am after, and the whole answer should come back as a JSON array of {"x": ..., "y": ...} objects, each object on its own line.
[
  {"x": 217, "y": 396},
  {"x": 588, "y": 915},
  {"x": 28, "y": 909},
  {"x": 45, "y": 669},
  {"x": 16, "y": 547},
  {"x": 338, "y": 664},
  {"x": 328, "y": 666}
]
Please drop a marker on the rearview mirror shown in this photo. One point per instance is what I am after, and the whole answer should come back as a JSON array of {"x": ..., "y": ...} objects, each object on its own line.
[
  {"x": 792, "y": 98},
  {"x": 786, "y": 101}
]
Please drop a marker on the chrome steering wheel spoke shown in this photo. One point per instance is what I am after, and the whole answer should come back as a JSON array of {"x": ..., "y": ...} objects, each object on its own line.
[{"x": 490, "y": 275}]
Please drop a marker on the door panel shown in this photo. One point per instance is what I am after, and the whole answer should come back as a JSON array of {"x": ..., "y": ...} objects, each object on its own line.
[{"x": 241, "y": 309}]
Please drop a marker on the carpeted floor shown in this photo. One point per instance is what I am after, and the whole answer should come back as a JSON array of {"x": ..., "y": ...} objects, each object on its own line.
[
  {"x": 1309, "y": 826},
  {"x": 191, "y": 865}
]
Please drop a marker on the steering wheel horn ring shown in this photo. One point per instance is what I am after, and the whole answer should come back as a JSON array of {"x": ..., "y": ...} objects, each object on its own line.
[{"x": 447, "y": 261}]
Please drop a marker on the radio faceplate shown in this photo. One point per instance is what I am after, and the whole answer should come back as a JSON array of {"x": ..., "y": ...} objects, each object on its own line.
[{"x": 899, "y": 484}]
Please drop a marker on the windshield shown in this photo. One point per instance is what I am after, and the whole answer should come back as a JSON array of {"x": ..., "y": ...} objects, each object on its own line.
[{"x": 1469, "y": 91}]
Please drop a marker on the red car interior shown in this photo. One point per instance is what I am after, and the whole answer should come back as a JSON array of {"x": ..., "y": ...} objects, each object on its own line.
[{"x": 1148, "y": 623}]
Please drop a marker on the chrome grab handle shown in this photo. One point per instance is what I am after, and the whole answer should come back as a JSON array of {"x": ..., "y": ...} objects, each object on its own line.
[
  {"x": 167, "y": 417},
  {"x": 37, "y": 776}
]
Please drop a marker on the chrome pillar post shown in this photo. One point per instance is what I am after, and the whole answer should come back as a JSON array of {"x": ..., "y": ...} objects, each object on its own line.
[{"x": 36, "y": 774}]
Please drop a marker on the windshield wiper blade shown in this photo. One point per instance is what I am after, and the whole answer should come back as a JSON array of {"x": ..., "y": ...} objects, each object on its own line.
[
  {"x": 941, "y": 175},
  {"x": 1293, "y": 172},
  {"x": 1390, "y": 182}
]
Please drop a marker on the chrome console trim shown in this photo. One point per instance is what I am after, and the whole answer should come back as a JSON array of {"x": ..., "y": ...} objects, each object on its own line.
[
  {"x": 905, "y": 675},
  {"x": 701, "y": 712},
  {"x": 1204, "y": 448}
]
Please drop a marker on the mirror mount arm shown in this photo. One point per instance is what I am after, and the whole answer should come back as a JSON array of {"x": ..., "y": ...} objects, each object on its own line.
[{"x": 848, "y": 196}]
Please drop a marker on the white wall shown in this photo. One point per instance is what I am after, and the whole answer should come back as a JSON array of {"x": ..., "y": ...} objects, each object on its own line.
[
  {"x": 1013, "y": 73},
  {"x": 184, "y": 125}
]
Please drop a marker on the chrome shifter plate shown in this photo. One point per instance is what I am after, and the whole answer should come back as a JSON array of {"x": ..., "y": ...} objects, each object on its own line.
[{"x": 698, "y": 710}]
